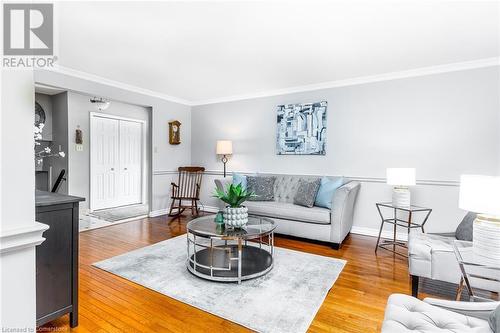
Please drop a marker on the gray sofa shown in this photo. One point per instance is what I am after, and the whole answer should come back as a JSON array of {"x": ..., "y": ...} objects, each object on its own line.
[{"x": 316, "y": 223}]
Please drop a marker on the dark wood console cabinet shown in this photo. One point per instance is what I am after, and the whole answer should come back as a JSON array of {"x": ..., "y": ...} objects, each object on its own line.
[{"x": 57, "y": 257}]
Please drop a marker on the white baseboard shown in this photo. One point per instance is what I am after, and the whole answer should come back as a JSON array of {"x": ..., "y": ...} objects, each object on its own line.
[
  {"x": 164, "y": 211},
  {"x": 388, "y": 234},
  {"x": 158, "y": 212}
]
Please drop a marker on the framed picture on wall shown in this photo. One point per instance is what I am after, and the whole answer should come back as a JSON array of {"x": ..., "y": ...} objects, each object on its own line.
[
  {"x": 174, "y": 132},
  {"x": 301, "y": 129}
]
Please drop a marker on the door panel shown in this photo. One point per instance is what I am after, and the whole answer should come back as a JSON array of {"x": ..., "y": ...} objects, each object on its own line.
[
  {"x": 130, "y": 162},
  {"x": 105, "y": 160}
]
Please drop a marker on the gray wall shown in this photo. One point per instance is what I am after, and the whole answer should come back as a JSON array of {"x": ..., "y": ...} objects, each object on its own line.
[
  {"x": 59, "y": 138},
  {"x": 79, "y": 108},
  {"x": 444, "y": 125},
  {"x": 165, "y": 157}
]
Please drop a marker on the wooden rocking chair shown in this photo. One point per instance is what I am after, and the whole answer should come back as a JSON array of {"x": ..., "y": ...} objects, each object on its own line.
[{"x": 188, "y": 188}]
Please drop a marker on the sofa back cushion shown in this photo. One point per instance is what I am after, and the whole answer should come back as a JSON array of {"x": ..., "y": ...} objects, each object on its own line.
[
  {"x": 262, "y": 187},
  {"x": 285, "y": 186}
]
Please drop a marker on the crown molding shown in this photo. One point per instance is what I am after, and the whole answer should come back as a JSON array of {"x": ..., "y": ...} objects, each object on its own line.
[
  {"x": 423, "y": 71},
  {"x": 116, "y": 84}
]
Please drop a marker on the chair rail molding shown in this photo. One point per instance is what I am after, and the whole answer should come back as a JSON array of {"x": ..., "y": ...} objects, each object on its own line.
[
  {"x": 21, "y": 238},
  {"x": 165, "y": 172},
  {"x": 362, "y": 179}
]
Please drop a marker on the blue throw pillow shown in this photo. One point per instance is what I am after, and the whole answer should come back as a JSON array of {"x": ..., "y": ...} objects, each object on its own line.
[
  {"x": 240, "y": 179},
  {"x": 326, "y": 191}
]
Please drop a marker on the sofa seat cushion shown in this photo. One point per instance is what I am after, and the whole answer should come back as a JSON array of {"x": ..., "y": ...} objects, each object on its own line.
[
  {"x": 407, "y": 314},
  {"x": 289, "y": 211}
]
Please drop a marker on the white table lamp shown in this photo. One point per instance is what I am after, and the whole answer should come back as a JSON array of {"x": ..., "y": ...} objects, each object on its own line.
[
  {"x": 401, "y": 179},
  {"x": 481, "y": 194},
  {"x": 224, "y": 148}
]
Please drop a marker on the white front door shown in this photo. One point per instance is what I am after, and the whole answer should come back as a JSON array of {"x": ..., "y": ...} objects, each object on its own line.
[
  {"x": 116, "y": 149},
  {"x": 105, "y": 160}
]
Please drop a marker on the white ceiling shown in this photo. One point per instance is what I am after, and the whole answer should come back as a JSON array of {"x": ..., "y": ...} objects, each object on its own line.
[{"x": 198, "y": 51}]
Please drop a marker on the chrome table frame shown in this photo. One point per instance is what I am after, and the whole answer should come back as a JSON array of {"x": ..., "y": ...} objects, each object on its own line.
[
  {"x": 466, "y": 275},
  {"x": 231, "y": 248},
  {"x": 398, "y": 222}
]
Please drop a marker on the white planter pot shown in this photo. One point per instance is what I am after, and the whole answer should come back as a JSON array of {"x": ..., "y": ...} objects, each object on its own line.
[{"x": 236, "y": 217}]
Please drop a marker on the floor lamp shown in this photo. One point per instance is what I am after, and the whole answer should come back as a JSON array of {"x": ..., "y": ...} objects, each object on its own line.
[{"x": 224, "y": 148}]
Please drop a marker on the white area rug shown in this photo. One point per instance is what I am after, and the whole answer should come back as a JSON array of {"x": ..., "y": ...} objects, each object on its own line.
[{"x": 284, "y": 300}]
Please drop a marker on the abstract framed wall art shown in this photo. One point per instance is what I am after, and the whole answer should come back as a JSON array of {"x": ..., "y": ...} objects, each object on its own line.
[{"x": 301, "y": 129}]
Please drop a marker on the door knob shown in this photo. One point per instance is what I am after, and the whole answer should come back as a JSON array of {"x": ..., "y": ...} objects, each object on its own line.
[
  {"x": 112, "y": 169},
  {"x": 125, "y": 169}
]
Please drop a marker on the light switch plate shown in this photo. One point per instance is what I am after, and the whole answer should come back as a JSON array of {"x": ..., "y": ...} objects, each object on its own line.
[{"x": 79, "y": 147}]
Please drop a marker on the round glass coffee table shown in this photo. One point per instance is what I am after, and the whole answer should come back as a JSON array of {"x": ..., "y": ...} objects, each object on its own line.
[{"x": 218, "y": 253}]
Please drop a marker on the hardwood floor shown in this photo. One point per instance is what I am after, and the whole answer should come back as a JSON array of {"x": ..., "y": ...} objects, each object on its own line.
[{"x": 112, "y": 304}]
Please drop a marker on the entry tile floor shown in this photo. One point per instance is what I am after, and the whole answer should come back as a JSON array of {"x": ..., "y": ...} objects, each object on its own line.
[{"x": 88, "y": 222}]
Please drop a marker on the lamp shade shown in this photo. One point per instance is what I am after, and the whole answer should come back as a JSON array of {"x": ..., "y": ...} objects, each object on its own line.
[
  {"x": 401, "y": 176},
  {"x": 480, "y": 194},
  {"x": 224, "y": 147}
]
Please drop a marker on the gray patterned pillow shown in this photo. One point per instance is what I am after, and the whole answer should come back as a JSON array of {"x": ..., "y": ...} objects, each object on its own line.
[
  {"x": 464, "y": 229},
  {"x": 306, "y": 192},
  {"x": 262, "y": 187}
]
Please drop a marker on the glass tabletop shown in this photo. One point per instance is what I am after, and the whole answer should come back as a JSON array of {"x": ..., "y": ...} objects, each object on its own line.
[
  {"x": 206, "y": 227},
  {"x": 411, "y": 208},
  {"x": 465, "y": 255}
]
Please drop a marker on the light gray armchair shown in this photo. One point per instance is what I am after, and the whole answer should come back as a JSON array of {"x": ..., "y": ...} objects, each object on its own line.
[
  {"x": 432, "y": 256},
  {"x": 405, "y": 314}
]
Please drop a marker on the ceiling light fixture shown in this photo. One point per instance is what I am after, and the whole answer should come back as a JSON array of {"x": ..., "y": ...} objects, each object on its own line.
[{"x": 100, "y": 103}]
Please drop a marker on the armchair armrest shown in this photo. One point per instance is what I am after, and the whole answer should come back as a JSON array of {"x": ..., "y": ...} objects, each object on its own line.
[
  {"x": 341, "y": 215},
  {"x": 175, "y": 189},
  {"x": 479, "y": 310}
]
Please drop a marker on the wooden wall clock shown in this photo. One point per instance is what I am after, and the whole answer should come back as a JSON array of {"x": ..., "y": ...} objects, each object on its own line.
[{"x": 174, "y": 132}]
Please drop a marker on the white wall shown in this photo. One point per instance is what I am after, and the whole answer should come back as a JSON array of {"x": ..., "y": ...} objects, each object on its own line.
[
  {"x": 444, "y": 125},
  {"x": 17, "y": 201},
  {"x": 79, "y": 108},
  {"x": 165, "y": 157}
]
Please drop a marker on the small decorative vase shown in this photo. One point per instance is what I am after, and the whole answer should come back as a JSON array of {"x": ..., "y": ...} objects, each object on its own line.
[
  {"x": 219, "y": 218},
  {"x": 236, "y": 217}
]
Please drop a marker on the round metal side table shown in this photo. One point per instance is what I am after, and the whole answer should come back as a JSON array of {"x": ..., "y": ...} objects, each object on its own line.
[{"x": 221, "y": 254}]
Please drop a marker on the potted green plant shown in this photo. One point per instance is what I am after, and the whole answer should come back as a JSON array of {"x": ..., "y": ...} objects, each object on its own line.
[{"x": 235, "y": 214}]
